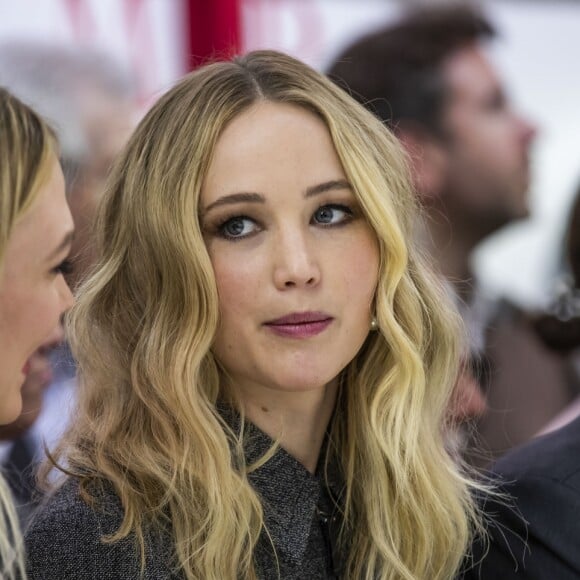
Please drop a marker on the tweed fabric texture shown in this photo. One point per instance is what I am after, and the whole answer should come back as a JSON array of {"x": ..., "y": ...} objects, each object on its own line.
[{"x": 65, "y": 539}]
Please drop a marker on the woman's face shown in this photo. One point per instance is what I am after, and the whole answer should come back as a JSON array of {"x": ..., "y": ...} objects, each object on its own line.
[
  {"x": 295, "y": 261},
  {"x": 33, "y": 293}
]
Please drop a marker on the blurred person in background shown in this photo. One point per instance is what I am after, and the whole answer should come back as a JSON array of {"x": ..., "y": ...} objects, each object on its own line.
[
  {"x": 559, "y": 327},
  {"x": 538, "y": 535},
  {"x": 90, "y": 100},
  {"x": 428, "y": 78}
]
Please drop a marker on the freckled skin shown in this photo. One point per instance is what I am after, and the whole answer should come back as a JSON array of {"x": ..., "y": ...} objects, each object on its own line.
[{"x": 289, "y": 262}]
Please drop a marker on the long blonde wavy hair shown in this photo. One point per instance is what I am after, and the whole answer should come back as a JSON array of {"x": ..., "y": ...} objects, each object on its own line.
[
  {"x": 144, "y": 322},
  {"x": 26, "y": 145}
]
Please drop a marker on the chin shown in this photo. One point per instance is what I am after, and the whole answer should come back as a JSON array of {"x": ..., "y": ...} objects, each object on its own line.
[{"x": 302, "y": 383}]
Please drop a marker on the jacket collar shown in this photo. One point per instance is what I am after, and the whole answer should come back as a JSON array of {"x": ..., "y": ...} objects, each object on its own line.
[{"x": 290, "y": 494}]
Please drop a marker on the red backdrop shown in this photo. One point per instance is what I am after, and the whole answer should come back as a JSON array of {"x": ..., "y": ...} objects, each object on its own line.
[{"x": 213, "y": 30}]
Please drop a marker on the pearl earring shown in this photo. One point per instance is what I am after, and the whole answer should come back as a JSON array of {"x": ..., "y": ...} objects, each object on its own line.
[{"x": 374, "y": 323}]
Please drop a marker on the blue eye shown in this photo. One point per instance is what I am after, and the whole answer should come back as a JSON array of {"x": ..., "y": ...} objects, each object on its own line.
[
  {"x": 237, "y": 227},
  {"x": 332, "y": 214}
]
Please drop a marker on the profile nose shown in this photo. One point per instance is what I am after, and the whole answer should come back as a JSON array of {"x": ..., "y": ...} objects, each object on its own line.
[
  {"x": 54, "y": 339},
  {"x": 296, "y": 263},
  {"x": 66, "y": 296}
]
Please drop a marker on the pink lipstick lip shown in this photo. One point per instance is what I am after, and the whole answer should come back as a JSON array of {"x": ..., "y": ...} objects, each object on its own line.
[
  {"x": 300, "y": 324},
  {"x": 299, "y": 318}
]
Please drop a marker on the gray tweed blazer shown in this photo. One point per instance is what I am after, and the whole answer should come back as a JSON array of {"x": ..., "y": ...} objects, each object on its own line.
[{"x": 65, "y": 539}]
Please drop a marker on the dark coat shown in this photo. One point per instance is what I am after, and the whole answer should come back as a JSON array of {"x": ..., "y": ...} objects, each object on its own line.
[
  {"x": 19, "y": 471},
  {"x": 538, "y": 537}
]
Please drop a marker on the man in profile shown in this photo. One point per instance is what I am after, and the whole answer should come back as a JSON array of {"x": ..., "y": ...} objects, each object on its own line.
[{"x": 429, "y": 79}]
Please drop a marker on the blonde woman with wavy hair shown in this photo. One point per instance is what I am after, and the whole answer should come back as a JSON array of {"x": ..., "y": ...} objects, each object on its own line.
[
  {"x": 265, "y": 359},
  {"x": 35, "y": 232}
]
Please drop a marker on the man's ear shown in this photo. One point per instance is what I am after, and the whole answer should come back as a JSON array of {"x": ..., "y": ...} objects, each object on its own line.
[{"x": 428, "y": 158}]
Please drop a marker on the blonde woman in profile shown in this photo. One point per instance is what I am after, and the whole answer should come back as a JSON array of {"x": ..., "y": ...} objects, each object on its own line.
[
  {"x": 35, "y": 236},
  {"x": 265, "y": 360}
]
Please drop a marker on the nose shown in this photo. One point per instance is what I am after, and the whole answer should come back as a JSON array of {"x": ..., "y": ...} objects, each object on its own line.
[
  {"x": 54, "y": 338},
  {"x": 66, "y": 296},
  {"x": 295, "y": 261}
]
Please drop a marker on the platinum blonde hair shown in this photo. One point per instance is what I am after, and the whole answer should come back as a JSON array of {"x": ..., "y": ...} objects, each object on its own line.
[
  {"x": 26, "y": 145},
  {"x": 144, "y": 322}
]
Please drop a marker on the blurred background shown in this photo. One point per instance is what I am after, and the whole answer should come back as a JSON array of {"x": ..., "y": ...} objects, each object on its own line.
[{"x": 159, "y": 40}]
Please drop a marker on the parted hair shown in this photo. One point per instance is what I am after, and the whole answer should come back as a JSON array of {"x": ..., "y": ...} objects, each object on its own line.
[
  {"x": 26, "y": 143},
  {"x": 396, "y": 71},
  {"x": 144, "y": 322}
]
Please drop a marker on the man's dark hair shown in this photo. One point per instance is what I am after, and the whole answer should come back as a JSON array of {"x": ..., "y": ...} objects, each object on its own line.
[{"x": 396, "y": 71}]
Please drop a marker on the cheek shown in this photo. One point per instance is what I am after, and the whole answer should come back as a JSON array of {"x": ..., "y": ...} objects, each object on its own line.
[
  {"x": 495, "y": 141},
  {"x": 32, "y": 317},
  {"x": 238, "y": 283},
  {"x": 361, "y": 269},
  {"x": 16, "y": 314}
]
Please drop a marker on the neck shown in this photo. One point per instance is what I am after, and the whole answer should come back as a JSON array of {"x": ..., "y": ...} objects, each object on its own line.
[{"x": 297, "y": 420}]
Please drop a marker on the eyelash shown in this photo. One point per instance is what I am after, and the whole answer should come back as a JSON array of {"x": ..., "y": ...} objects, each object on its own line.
[
  {"x": 64, "y": 268},
  {"x": 348, "y": 211}
]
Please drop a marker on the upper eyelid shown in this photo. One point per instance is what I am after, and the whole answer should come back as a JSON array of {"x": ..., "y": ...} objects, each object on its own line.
[
  {"x": 219, "y": 222},
  {"x": 225, "y": 214},
  {"x": 65, "y": 266}
]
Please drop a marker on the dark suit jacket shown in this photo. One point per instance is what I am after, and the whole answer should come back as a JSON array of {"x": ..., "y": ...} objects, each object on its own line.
[{"x": 538, "y": 536}]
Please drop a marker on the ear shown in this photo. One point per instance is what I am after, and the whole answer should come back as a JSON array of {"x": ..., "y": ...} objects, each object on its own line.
[{"x": 428, "y": 160}]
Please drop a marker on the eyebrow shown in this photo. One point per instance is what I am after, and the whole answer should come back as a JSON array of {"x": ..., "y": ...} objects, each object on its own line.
[
  {"x": 66, "y": 241},
  {"x": 236, "y": 198},
  {"x": 259, "y": 198},
  {"x": 327, "y": 186}
]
